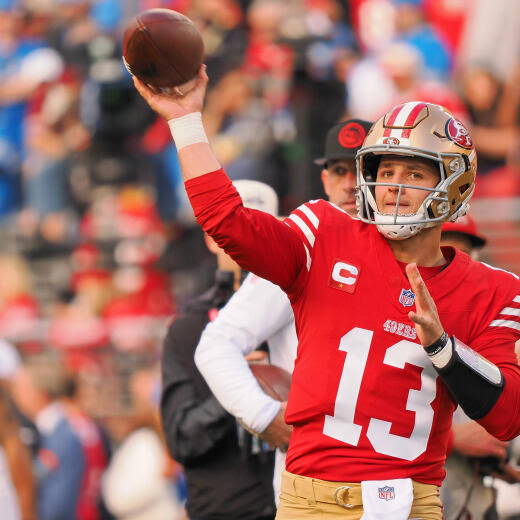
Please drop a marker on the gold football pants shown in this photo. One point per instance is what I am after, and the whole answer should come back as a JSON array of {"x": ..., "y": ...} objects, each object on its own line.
[{"x": 304, "y": 497}]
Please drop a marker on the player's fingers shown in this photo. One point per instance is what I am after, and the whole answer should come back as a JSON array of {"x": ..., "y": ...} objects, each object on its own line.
[
  {"x": 145, "y": 91},
  {"x": 418, "y": 286},
  {"x": 500, "y": 445},
  {"x": 139, "y": 85},
  {"x": 499, "y": 451},
  {"x": 418, "y": 319},
  {"x": 203, "y": 77},
  {"x": 414, "y": 276},
  {"x": 424, "y": 318}
]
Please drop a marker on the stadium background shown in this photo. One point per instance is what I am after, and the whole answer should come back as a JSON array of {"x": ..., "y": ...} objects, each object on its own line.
[{"x": 99, "y": 248}]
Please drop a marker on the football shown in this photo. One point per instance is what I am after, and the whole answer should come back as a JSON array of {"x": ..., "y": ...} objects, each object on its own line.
[
  {"x": 163, "y": 49},
  {"x": 273, "y": 380}
]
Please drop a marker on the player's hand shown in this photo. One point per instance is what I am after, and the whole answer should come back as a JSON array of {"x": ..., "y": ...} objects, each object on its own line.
[
  {"x": 257, "y": 356},
  {"x": 278, "y": 433},
  {"x": 507, "y": 473},
  {"x": 472, "y": 440},
  {"x": 426, "y": 318},
  {"x": 172, "y": 106}
]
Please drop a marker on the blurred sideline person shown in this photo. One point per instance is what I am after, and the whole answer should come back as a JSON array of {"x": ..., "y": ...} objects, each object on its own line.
[
  {"x": 60, "y": 465},
  {"x": 260, "y": 311},
  {"x": 94, "y": 447},
  {"x": 386, "y": 348},
  {"x": 17, "y": 486},
  {"x": 464, "y": 235},
  {"x": 508, "y": 495},
  {"x": 475, "y": 453},
  {"x": 228, "y": 471},
  {"x": 138, "y": 483}
]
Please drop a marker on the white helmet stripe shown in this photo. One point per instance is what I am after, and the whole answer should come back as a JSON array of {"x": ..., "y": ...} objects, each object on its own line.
[{"x": 406, "y": 117}]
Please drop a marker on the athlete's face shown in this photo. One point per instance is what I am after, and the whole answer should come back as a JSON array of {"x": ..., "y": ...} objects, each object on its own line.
[
  {"x": 339, "y": 183},
  {"x": 404, "y": 170}
]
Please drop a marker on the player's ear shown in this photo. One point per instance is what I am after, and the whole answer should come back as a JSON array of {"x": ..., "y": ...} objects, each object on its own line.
[{"x": 325, "y": 180}]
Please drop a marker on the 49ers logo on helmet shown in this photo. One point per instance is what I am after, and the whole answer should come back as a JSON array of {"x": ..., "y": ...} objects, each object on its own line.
[
  {"x": 457, "y": 132},
  {"x": 352, "y": 135}
]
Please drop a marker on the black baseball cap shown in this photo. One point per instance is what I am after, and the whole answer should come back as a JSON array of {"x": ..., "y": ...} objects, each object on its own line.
[{"x": 344, "y": 140}]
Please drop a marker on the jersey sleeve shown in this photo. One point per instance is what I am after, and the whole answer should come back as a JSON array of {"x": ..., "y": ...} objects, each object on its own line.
[
  {"x": 257, "y": 311},
  {"x": 257, "y": 241},
  {"x": 305, "y": 221},
  {"x": 497, "y": 344}
]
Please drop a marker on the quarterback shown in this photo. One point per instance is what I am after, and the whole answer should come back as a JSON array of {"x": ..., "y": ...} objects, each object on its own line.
[{"x": 393, "y": 331}]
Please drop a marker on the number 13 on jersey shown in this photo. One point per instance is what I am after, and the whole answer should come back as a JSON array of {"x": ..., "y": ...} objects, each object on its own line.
[{"x": 341, "y": 426}]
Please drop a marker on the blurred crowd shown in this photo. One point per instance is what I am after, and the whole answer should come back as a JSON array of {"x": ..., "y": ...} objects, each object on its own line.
[{"x": 99, "y": 246}]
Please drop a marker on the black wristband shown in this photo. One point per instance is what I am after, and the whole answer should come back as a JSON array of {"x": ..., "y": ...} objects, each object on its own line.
[
  {"x": 475, "y": 382},
  {"x": 438, "y": 345}
]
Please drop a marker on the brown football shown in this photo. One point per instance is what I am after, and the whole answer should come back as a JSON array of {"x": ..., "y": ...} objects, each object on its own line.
[
  {"x": 273, "y": 380},
  {"x": 162, "y": 48}
]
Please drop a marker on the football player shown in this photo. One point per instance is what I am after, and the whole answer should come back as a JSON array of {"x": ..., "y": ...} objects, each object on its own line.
[{"x": 385, "y": 348}]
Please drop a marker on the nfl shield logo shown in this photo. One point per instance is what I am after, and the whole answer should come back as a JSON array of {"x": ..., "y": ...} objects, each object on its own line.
[
  {"x": 386, "y": 493},
  {"x": 407, "y": 297}
]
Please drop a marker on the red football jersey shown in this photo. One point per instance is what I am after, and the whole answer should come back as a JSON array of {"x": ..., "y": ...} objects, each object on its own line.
[{"x": 365, "y": 401}]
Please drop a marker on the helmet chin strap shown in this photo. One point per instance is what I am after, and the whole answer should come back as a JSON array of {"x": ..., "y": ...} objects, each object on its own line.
[{"x": 402, "y": 230}]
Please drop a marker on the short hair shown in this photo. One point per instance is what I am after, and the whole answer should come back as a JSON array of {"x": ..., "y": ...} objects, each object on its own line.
[{"x": 49, "y": 375}]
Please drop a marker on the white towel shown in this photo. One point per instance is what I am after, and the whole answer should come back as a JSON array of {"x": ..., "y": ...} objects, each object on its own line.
[{"x": 387, "y": 499}]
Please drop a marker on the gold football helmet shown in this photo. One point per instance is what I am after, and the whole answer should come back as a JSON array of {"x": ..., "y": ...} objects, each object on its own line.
[{"x": 422, "y": 130}]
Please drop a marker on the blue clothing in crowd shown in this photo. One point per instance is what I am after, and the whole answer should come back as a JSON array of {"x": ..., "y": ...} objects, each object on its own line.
[{"x": 60, "y": 466}]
